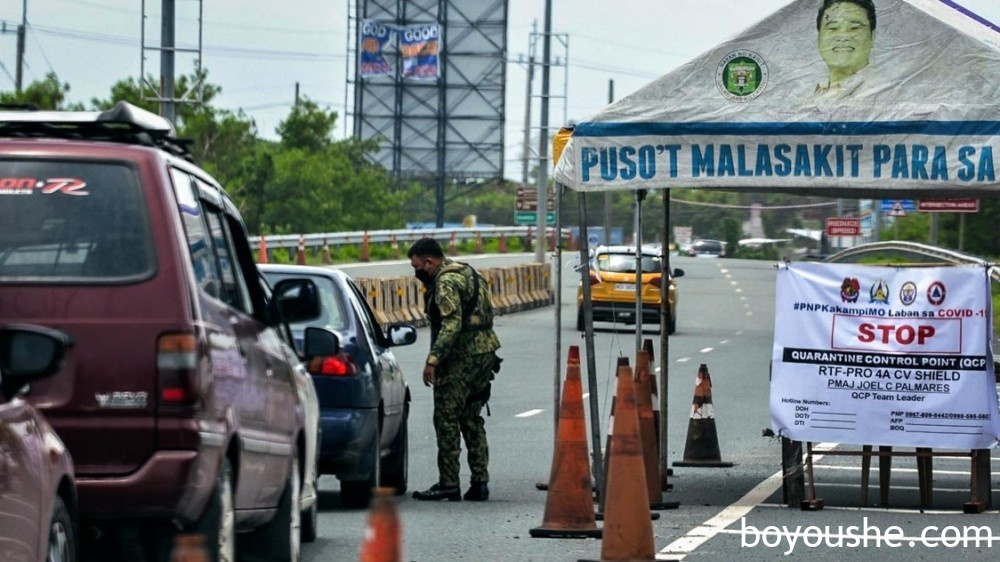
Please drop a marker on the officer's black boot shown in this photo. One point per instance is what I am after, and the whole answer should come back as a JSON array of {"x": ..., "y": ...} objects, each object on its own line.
[
  {"x": 478, "y": 492},
  {"x": 438, "y": 492}
]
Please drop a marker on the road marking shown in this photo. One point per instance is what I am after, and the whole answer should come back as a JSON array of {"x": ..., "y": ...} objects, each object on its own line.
[
  {"x": 707, "y": 349},
  {"x": 698, "y": 536},
  {"x": 528, "y": 414},
  {"x": 683, "y": 359}
]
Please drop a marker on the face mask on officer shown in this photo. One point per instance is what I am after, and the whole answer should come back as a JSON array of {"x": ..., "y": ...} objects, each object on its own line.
[{"x": 422, "y": 274}]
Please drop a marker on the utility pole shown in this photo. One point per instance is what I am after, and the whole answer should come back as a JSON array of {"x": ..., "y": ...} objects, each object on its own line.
[
  {"x": 167, "y": 61},
  {"x": 543, "y": 140},
  {"x": 527, "y": 122},
  {"x": 21, "y": 30}
]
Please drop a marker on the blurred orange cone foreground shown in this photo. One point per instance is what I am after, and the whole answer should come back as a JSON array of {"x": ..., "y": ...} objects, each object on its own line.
[
  {"x": 628, "y": 531},
  {"x": 381, "y": 541},
  {"x": 189, "y": 548},
  {"x": 702, "y": 445},
  {"x": 569, "y": 506},
  {"x": 262, "y": 250}
]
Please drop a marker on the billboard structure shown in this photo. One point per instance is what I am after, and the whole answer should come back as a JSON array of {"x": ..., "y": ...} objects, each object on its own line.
[{"x": 428, "y": 84}]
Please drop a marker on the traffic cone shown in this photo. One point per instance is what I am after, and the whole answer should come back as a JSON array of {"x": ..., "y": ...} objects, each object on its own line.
[
  {"x": 366, "y": 253},
  {"x": 382, "y": 536},
  {"x": 453, "y": 244},
  {"x": 569, "y": 506},
  {"x": 189, "y": 547},
  {"x": 628, "y": 530},
  {"x": 479, "y": 243},
  {"x": 647, "y": 346},
  {"x": 327, "y": 259},
  {"x": 647, "y": 433},
  {"x": 395, "y": 248},
  {"x": 300, "y": 255},
  {"x": 262, "y": 250},
  {"x": 702, "y": 445},
  {"x": 502, "y": 248}
]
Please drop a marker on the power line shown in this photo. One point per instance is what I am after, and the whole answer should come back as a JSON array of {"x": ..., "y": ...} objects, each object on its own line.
[{"x": 761, "y": 207}]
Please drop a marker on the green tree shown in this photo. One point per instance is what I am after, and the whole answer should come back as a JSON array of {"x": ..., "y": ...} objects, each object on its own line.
[{"x": 48, "y": 93}]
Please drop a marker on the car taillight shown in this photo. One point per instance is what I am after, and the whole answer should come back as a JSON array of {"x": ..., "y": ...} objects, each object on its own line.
[
  {"x": 339, "y": 365},
  {"x": 594, "y": 278},
  {"x": 177, "y": 369},
  {"x": 655, "y": 281}
]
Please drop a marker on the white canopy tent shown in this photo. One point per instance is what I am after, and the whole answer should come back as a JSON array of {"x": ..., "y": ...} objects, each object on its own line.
[{"x": 758, "y": 113}]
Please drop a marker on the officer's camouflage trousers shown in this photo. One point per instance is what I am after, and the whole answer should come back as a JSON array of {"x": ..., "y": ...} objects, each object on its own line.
[{"x": 457, "y": 418}]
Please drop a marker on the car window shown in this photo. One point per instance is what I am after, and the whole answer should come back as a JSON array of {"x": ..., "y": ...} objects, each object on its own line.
[
  {"x": 206, "y": 269},
  {"x": 72, "y": 219},
  {"x": 625, "y": 263},
  {"x": 332, "y": 313},
  {"x": 368, "y": 320}
]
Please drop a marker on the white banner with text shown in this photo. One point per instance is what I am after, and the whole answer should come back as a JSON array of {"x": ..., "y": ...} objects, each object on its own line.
[{"x": 879, "y": 355}]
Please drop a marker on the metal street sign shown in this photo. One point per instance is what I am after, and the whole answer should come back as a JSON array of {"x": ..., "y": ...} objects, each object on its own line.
[
  {"x": 527, "y": 200},
  {"x": 531, "y": 217},
  {"x": 897, "y": 205},
  {"x": 948, "y": 205},
  {"x": 844, "y": 226}
]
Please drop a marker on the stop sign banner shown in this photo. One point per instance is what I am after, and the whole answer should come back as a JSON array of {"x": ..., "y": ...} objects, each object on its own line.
[{"x": 894, "y": 356}]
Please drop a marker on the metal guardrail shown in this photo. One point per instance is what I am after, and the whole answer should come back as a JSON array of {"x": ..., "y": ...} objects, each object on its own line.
[{"x": 399, "y": 236}]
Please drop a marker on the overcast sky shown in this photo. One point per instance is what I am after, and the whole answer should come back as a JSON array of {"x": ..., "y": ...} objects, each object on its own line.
[{"x": 257, "y": 50}]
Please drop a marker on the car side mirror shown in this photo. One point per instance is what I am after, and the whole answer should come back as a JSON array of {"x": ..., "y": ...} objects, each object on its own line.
[
  {"x": 29, "y": 353},
  {"x": 296, "y": 300},
  {"x": 678, "y": 272},
  {"x": 402, "y": 334},
  {"x": 320, "y": 342}
]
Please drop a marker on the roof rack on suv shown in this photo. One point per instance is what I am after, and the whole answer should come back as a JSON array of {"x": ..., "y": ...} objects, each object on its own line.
[{"x": 123, "y": 123}]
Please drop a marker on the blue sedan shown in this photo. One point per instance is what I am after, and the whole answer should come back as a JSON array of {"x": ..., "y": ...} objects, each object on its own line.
[{"x": 363, "y": 397}]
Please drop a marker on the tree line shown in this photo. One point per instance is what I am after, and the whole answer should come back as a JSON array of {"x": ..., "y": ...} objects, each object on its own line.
[{"x": 307, "y": 182}]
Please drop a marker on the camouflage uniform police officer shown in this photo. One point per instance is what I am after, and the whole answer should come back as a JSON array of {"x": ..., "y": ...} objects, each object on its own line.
[{"x": 459, "y": 367}]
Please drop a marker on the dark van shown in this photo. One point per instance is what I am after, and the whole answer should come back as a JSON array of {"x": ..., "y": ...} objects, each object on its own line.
[{"x": 178, "y": 402}]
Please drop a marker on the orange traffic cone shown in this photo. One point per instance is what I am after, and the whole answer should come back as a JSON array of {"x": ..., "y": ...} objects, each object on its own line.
[
  {"x": 628, "y": 530},
  {"x": 479, "y": 243},
  {"x": 702, "y": 445},
  {"x": 300, "y": 255},
  {"x": 647, "y": 345},
  {"x": 647, "y": 433},
  {"x": 502, "y": 248},
  {"x": 327, "y": 259},
  {"x": 395, "y": 248},
  {"x": 381, "y": 541},
  {"x": 453, "y": 244},
  {"x": 262, "y": 250},
  {"x": 189, "y": 547},
  {"x": 569, "y": 506},
  {"x": 366, "y": 252}
]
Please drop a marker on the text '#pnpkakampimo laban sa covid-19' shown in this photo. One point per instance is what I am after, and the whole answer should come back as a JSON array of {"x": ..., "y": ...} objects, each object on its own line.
[{"x": 894, "y": 356}]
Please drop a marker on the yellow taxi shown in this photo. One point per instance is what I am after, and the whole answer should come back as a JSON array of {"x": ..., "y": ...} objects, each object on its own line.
[{"x": 613, "y": 286}]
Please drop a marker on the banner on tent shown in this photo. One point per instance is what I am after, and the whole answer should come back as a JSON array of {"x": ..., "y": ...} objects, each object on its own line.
[
  {"x": 884, "y": 355},
  {"x": 865, "y": 162}
]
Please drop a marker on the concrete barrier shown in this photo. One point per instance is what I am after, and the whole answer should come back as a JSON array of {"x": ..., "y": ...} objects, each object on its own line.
[{"x": 400, "y": 300}]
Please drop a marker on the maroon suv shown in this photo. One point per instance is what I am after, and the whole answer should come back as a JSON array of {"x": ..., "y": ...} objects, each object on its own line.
[{"x": 178, "y": 403}]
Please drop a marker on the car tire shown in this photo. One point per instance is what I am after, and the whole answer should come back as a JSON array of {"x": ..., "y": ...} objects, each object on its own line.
[
  {"x": 279, "y": 540},
  {"x": 395, "y": 470},
  {"x": 358, "y": 493},
  {"x": 62, "y": 534},
  {"x": 671, "y": 324},
  {"x": 579, "y": 320},
  {"x": 218, "y": 523}
]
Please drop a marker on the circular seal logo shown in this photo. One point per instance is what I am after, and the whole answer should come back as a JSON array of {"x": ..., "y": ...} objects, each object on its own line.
[{"x": 741, "y": 76}]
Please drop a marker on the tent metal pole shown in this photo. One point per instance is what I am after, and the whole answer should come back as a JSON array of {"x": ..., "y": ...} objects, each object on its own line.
[
  {"x": 588, "y": 338},
  {"x": 640, "y": 194},
  {"x": 664, "y": 342},
  {"x": 558, "y": 304}
]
